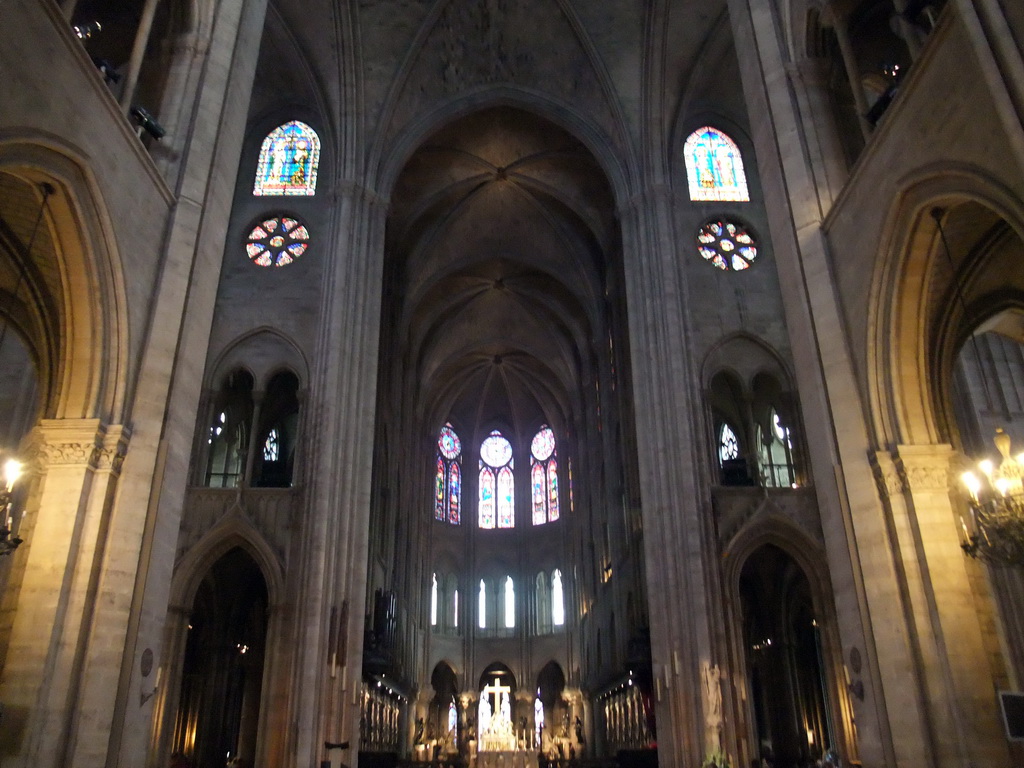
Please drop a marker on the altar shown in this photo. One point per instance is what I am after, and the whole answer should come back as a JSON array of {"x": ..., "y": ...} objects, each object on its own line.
[
  {"x": 506, "y": 759},
  {"x": 494, "y": 722}
]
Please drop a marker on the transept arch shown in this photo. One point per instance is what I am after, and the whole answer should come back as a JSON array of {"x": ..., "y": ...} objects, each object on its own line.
[
  {"x": 80, "y": 295},
  {"x": 916, "y": 320}
]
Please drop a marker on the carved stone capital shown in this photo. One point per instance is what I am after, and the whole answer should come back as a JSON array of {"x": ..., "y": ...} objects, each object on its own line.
[
  {"x": 76, "y": 443},
  {"x": 925, "y": 468}
]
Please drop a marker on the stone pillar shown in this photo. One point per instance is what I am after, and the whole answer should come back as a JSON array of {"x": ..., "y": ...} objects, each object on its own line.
[
  {"x": 57, "y": 625},
  {"x": 957, "y": 675}
]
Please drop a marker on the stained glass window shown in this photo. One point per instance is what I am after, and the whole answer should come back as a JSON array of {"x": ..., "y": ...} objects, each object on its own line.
[
  {"x": 497, "y": 483},
  {"x": 714, "y": 167},
  {"x": 277, "y": 242},
  {"x": 448, "y": 477},
  {"x": 727, "y": 245},
  {"x": 728, "y": 445},
  {"x": 557, "y": 599},
  {"x": 272, "y": 446},
  {"x": 453, "y": 716},
  {"x": 544, "y": 476},
  {"x": 288, "y": 161}
]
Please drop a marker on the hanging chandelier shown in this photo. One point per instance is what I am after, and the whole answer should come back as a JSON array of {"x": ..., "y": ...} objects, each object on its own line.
[
  {"x": 8, "y": 540},
  {"x": 995, "y": 533}
]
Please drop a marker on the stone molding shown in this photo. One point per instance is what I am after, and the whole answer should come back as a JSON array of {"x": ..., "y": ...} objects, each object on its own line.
[
  {"x": 77, "y": 443},
  {"x": 889, "y": 479}
]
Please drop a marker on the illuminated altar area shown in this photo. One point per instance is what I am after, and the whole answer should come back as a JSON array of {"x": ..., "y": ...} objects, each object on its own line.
[{"x": 494, "y": 719}]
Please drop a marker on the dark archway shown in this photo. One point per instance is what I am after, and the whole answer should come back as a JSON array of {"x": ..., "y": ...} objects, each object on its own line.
[
  {"x": 222, "y": 678},
  {"x": 791, "y": 714}
]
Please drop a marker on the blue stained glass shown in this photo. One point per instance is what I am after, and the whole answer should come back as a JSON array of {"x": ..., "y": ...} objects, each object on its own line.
[
  {"x": 486, "y": 515},
  {"x": 714, "y": 167},
  {"x": 439, "y": 491},
  {"x": 506, "y": 498},
  {"x": 288, "y": 161},
  {"x": 540, "y": 512}
]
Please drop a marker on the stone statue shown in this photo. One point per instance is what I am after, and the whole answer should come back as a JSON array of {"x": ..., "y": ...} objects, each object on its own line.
[{"x": 713, "y": 692}]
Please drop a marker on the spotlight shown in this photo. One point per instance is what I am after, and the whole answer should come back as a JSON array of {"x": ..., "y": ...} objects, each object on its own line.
[
  {"x": 87, "y": 30},
  {"x": 147, "y": 122}
]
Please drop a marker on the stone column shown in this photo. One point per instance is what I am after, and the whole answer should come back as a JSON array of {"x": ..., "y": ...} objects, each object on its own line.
[
  {"x": 77, "y": 462},
  {"x": 961, "y": 707}
]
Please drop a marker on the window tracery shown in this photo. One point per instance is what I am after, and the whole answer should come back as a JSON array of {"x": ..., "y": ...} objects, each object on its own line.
[
  {"x": 544, "y": 476},
  {"x": 727, "y": 245},
  {"x": 497, "y": 483},
  {"x": 448, "y": 477},
  {"x": 277, "y": 242}
]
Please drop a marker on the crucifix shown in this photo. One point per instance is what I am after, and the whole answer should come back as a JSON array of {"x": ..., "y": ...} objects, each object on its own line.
[{"x": 502, "y": 708}]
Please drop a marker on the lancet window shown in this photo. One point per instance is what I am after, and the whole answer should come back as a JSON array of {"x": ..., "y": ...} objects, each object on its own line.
[
  {"x": 448, "y": 477},
  {"x": 776, "y": 453},
  {"x": 544, "y": 476},
  {"x": 714, "y": 167},
  {"x": 288, "y": 161},
  {"x": 496, "y": 507}
]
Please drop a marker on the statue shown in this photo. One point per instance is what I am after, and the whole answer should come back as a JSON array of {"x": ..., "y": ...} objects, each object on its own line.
[
  {"x": 713, "y": 692},
  {"x": 484, "y": 716}
]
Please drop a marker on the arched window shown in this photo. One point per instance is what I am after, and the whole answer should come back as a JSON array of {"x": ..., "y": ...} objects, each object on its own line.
[
  {"x": 543, "y": 598},
  {"x": 230, "y": 428},
  {"x": 497, "y": 489},
  {"x": 448, "y": 477},
  {"x": 433, "y": 600},
  {"x": 455, "y": 609},
  {"x": 544, "y": 476},
  {"x": 714, "y": 167},
  {"x": 288, "y": 161},
  {"x": 557, "y": 599},
  {"x": 481, "y": 606},
  {"x": 510, "y": 603}
]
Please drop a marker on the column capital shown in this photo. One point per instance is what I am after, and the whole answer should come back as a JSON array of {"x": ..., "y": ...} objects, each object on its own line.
[
  {"x": 925, "y": 467},
  {"x": 77, "y": 443}
]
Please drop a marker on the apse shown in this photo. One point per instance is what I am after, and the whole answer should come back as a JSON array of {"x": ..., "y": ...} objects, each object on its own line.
[{"x": 504, "y": 436}]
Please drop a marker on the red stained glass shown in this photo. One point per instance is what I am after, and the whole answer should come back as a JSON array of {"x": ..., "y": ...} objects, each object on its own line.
[{"x": 506, "y": 498}]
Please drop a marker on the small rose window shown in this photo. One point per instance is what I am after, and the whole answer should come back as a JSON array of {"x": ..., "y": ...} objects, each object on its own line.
[
  {"x": 727, "y": 245},
  {"x": 277, "y": 242}
]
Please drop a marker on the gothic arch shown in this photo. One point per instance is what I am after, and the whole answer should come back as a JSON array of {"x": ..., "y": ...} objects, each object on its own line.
[
  {"x": 746, "y": 356},
  {"x": 773, "y": 529},
  {"x": 915, "y": 322},
  {"x": 263, "y": 352},
  {"x": 234, "y": 532},
  {"x": 86, "y": 375}
]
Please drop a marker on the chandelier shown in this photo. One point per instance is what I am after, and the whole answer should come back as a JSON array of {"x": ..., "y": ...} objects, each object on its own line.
[
  {"x": 8, "y": 540},
  {"x": 995, "y": 534}
]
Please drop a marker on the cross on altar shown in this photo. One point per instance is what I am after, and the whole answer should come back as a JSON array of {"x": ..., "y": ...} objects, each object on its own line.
[{"x": 496, "y": 690}]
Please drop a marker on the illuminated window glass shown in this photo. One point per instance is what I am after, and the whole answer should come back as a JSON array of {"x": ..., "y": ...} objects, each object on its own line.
[
  {"x": 448, "y": 477},
  {"x": 544, "y": 477},
  {"x": 714, "y": 167},
  {"x": 277, "y": 242},
  {"x": 288, "y": 161},
  {"x": 481, "y": 606},
  {"x": 453, "y": 716},
  {"x": 727, "y": 245},
  {"x": 510, "y": 603},
  {"x": 557, "y": 599},
  {"x": 497, "y": 487},
  {"x": 455, "y": 608},
  {"x": 272, "y": 446},
  {"x": 538, "y": 717},
  {"x": 728, "y": 445},
  {"x": 433, "y": 600}
]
